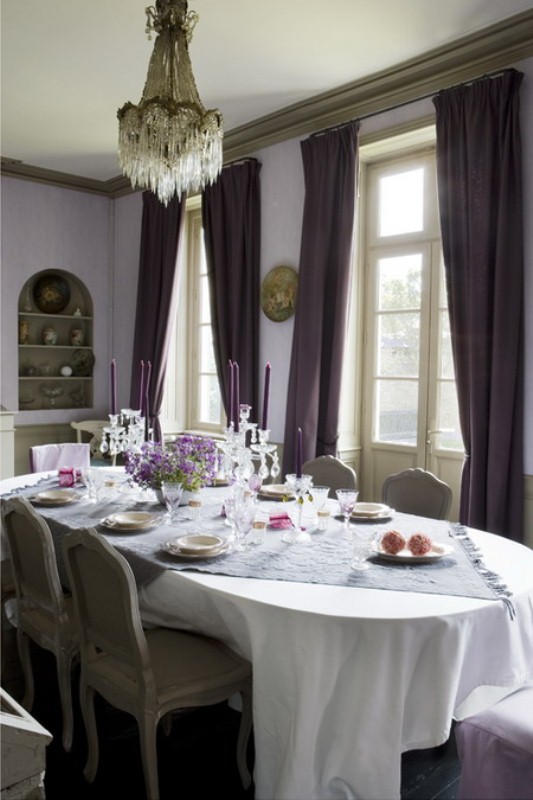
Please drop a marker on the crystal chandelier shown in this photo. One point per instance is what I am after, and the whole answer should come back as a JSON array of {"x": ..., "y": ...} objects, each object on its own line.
[{"x": 169, "y": 143}]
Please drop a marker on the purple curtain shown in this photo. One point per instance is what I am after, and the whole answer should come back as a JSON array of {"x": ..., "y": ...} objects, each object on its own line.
[
  {"x": 480, "y": 202},
  {"x": 330, "y": 161},
  {"x": 232, "y": 232},
  {"x": 160, "y": 235}
]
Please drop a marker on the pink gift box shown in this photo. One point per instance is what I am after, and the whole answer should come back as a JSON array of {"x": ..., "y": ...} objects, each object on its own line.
[{"x": 68, "y": 476}]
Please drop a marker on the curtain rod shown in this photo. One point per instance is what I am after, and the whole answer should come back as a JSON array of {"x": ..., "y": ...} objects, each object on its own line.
[{"x": 370, "y": 114}]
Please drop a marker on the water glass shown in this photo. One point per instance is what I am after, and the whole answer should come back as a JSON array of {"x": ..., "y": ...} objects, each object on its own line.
[
  {"x": 363, "y": 540},
  {"x": 93, "y": 478},
  {"x": 347, "y": 499},
  {"x": 244, "y": 515},
  {"x": 172, "y": 492}
]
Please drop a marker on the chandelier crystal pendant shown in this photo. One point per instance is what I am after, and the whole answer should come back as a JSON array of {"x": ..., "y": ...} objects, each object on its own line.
[{"x": 169, "y": 143}]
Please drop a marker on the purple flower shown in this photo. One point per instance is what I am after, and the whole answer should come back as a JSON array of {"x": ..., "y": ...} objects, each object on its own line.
[{"x": 192, "y": 460}]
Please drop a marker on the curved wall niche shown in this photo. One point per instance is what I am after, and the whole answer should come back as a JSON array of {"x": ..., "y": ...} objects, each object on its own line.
[{"x": 55, "y": 342}]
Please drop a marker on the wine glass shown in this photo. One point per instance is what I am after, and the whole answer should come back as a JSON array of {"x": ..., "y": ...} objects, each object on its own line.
[
  {"x": 347, "y": 499},
  {"x": 93, "y": 479},
  {"x": 363, "y": 546},
  {"x": 244, "y": 515},
  {"x": 172, "y": 492}
]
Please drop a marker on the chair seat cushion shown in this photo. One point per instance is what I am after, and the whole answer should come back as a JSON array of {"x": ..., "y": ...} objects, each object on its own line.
[{"x": 495, "y": 748}]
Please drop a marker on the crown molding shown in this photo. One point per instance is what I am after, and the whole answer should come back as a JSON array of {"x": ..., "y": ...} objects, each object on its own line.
[{"x": 470, "y": 57}]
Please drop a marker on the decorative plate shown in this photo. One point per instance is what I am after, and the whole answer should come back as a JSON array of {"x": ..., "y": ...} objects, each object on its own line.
[
  {"x": 82, "y": 363},
  {"x": 51, "y": 294},
  {"x": 406, "y": 557},
  {"x": 278, "y": 293}
]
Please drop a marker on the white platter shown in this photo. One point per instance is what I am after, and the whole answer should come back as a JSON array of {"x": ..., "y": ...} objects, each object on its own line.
[
  {"x": 55, "y": 497},
  {"x": 129, "y": 521},
  {"x": 275, "y": 491},
  {"x": 198, "y": 543},
  {"x": 174, "y": 550},
  {"x": 406, "y": 557}
]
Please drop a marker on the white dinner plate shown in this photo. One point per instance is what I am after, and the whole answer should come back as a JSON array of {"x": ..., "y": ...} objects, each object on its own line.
[
  {"x": 406, "y": 557},
  {"x": 198, "y": 543},
  {"x": 130, "y": 520},
  {"x": 55, "y": 497},
  {"x": 275, "y": 491},
  {"x": 173, "y": 549},
  {"x": 371, "y": 511}
]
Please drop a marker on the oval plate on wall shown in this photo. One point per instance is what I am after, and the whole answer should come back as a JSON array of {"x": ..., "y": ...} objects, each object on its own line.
[
  {"x": 51, "y": 294},
  {"x": 278, "y": 293}
]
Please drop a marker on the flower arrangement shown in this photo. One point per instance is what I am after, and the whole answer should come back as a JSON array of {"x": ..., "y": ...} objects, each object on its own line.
[{"x": 191, "y": 460}]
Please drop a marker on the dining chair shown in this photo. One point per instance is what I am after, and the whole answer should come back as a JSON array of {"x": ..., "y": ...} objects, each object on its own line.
[
  {"x": 330, "y": 471},
  {"x": 95, "y": 428},
  {"x": 495, "y": 749},
  {"x": 146, "y": 673},
  {"x": 417, "y": 491},
  {"x": 44, "y": 612},
  {"x": 45, "y": 457}
]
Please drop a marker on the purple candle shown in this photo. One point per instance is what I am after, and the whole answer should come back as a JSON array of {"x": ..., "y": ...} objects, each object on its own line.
[
  {"x": 146, "y": 388},
  {"x": 299, "y": 454},
  {"x": 266, "y": 397},
  {"x": 236, "y": 400},
  {"x": 141, "y": 389},
  {"x": 229, "y": 393},
  {"x": 113, "y": 386}
]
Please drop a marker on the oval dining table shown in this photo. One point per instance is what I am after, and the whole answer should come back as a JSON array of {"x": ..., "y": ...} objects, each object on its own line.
[{"x": 346, "y": 679}]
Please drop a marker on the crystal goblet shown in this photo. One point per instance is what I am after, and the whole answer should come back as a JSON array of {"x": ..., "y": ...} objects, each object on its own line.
[
  {"x": 347, "y": 499},
  {"x": 172, "y": 492},
  {"x": 299, "y": 485},
  {"x": 244, "y": 515},
  {"x": 363, "y": 540}
]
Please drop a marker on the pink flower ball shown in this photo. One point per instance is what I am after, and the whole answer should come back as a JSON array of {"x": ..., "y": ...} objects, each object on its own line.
[
  {"x": 392, "y": 542},
  {"x": 419, "y": 544}
]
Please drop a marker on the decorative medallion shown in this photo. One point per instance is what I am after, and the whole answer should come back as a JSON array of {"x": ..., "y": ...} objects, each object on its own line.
[
  {"x": 51, "y": 294},
  {"x": 278, "y": 293}
]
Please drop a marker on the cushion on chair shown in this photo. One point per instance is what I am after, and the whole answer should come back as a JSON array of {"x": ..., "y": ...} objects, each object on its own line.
[
  {"x": 53, "y": 456},
  {"x": 495, "y": 748}
]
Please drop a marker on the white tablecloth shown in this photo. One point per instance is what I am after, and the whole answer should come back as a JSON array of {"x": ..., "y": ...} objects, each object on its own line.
[{"x": 346, "y": 679}]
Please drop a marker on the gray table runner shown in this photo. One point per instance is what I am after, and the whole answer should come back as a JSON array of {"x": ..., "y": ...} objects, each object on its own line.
[{"x": 325, "y": 561}]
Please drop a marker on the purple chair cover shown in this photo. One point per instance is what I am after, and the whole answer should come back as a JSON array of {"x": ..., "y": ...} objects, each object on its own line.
[
  {"x": 53, "y": 456},
  {"x": 496, "y": 750}
]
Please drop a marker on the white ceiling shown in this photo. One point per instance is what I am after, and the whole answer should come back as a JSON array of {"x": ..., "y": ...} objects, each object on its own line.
[{"x": 68, "y": 65}]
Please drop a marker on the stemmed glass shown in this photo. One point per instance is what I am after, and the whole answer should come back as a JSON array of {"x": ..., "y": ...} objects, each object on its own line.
[
  {"x": 363, "y": 546},
  {"x": 347, "y": 499},
  {"x": 244, "y": 515},
  {"x": 299, "y": 485},
  {"x": 172, "y": 492},
  {"x": 93, "y": 478}
]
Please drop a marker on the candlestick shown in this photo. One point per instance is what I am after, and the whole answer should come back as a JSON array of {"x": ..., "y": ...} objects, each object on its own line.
[
  {"x": 141, "y": 388},
  {"x": 113, "y": 386},
  {"x": 236, "y": 401},
  {"x": 266, "y": 397},
  {"x": 299, "y": 454}
]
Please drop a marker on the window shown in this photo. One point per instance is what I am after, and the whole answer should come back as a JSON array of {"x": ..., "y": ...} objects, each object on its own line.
[
  {"x": 192, "y": 395},
  {"x": 406, "y": 410}
]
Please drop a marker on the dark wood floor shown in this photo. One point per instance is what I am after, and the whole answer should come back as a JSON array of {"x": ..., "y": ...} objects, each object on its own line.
[{"x": 196, "y": 762}]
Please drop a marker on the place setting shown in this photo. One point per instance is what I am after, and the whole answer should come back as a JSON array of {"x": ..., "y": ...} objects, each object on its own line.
[
  {"x": 130, "y": 521},
  {"x": 55, "y": 497}
]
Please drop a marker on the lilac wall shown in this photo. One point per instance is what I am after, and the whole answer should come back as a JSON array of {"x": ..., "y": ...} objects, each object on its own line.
[{"x": 44, "y": 227}]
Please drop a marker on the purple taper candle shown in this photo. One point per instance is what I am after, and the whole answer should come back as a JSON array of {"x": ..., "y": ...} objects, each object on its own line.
[
  {"x": 299, "y": 454},
  {"x": 236, "y": 399},
  {"x": 113, "y": 386},
  {"x": 266, "y": 397},
  {"x": 229, "y": 393},
  {"x": 141, "y": 389}
]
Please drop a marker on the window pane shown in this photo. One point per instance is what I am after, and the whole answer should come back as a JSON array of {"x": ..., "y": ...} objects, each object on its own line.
[
  {"x": 207, "y": 356},
  {"x": 399, "y": 344},
  {"x": 400, "y": 282},
  {"x": 401, "y": 207},
  {"x": 396, "y": 411},
  {"x": 448, "y": 418},
  {"x": 210, "y": 406},
  {"x": 447, "y": 369}
]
